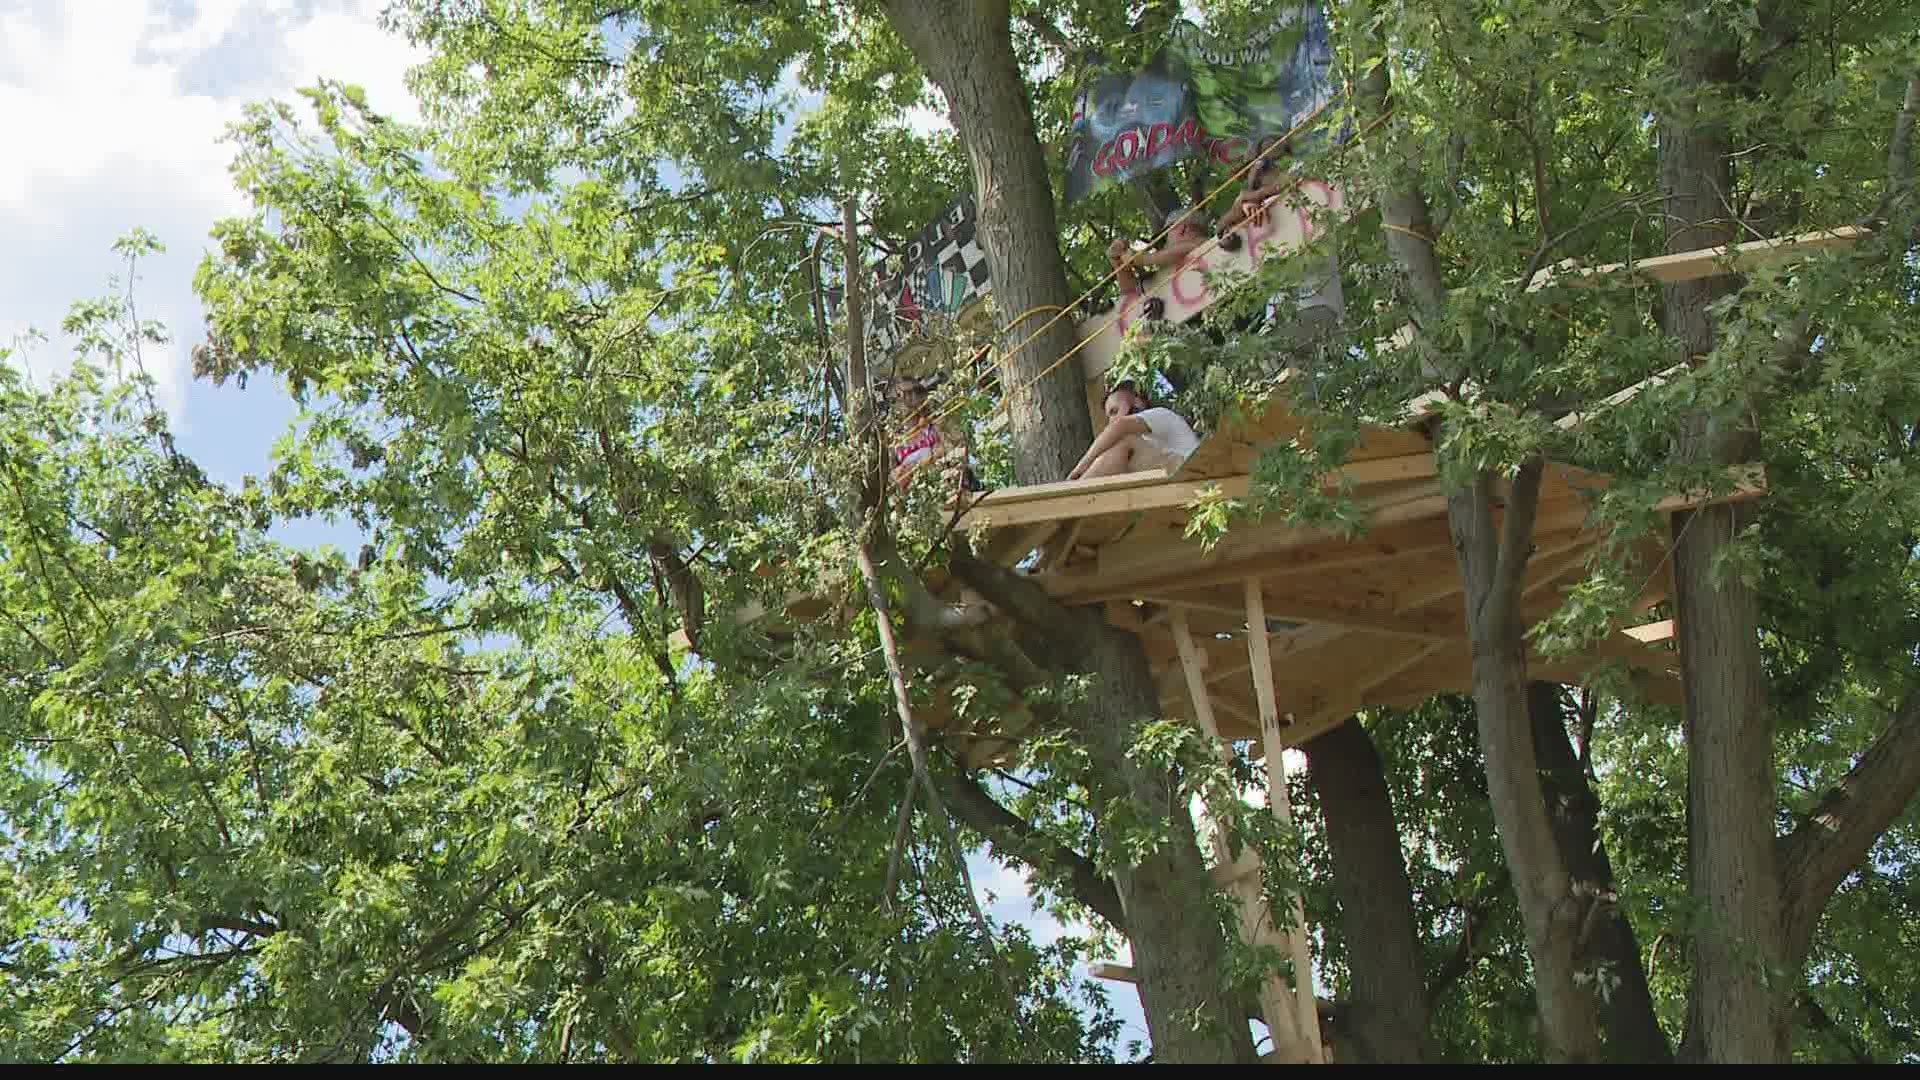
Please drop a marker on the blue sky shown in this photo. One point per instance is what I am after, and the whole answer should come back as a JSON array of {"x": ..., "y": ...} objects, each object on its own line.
[{"x": 111, "y": 116}]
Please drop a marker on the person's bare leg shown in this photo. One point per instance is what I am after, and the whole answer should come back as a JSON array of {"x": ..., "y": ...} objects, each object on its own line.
[{"x": 1111, "y": 463}]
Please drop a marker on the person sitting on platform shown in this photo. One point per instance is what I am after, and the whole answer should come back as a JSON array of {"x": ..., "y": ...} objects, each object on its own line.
[
  {"x": 1139, "y": 436},
  {"x": 1188, "y": 233},
  {"x": 923, "y": 442}
]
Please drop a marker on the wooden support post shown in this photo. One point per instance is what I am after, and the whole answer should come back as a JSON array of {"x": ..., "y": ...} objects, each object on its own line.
[
  {"x": 1196, "y": 679},
  {"x": 1306, "y": 1021}
]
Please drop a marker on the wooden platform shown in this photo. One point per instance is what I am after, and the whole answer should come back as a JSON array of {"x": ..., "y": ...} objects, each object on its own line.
[
  {"x": 1337, "y": 623},
  {"x": 1349, "y": 622}
]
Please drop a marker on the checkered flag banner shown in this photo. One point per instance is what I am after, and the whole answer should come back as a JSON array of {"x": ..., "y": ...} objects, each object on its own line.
[{"x": 940, "y": 271}]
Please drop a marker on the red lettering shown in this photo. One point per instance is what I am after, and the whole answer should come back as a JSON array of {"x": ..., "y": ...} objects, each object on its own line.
[
  {"x": 1188, "y": 133},
  {"x": 1127, "y": 146},
  {"x": 1189, "y": 275},
  {"x": 1101, "y": 166},
  {"x": 1159, "y": 137}
]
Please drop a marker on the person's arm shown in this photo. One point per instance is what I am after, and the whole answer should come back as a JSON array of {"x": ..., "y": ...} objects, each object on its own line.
[
  {"x": 1260, "y": 196},
  {"x": 1175, "y": 249},
  {"x": 1118, "y": 254},
  {"x": 1109, "y": 437}
]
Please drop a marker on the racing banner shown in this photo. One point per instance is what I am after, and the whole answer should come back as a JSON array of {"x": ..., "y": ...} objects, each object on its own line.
[
  {"x": 941, "y": 270},
  {"x": 1200, "y": 95}
]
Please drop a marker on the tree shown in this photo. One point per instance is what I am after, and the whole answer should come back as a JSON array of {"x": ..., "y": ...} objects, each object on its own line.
[
  {"x": 568, "y": 363},
  {"x": 271, "y": 805}
]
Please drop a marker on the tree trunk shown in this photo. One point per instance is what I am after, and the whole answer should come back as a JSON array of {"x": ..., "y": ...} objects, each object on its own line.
[
  {"x": 1383, "y": 1019},
  {"x": 1819, "y": 854},
  {"x": 1178, "y": 952},
  {"x": 1178, "y": 947},
  {"x": 1492, "y": 565},
  {"x": 1633, "y": 1032},
  {"x": 968, "y": 51},
  {"x": 1733, "y": 1016}
]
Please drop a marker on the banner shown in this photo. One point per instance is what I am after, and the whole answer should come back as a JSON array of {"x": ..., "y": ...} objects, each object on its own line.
[
  {"x": 1200, "y": 95},
  {"x": 941, "y": 270},
  {"x": 1186, "y": 290}
]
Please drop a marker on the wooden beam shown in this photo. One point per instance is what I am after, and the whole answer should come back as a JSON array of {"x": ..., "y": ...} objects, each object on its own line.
[
  {"x": 1247, "y": 550},
  {"x": 1059, "y": 548},
  {"x": 1112, "y": 972},
  {"x": 1289, "y": 645},
  {"x": 1322, "y": 557},
  {"x": 1008, "y": 548},
  {"x": 1089, "y": 498},
  {"x": 1332, "y": 715},
  {"x": 1429, "y": 626},
  {"x": 1577, "y": 420},
  {"x": 1259, "y": 657},
  {"x": 1702, "y": 262},
  {"x": 1196, "y": 682},
  {"x": 1306, "y": 1020},
  {"x": 1651, "y": 632}
]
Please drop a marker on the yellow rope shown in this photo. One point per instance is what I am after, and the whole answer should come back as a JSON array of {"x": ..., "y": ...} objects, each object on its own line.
[{"x": 1409, "y": 232}]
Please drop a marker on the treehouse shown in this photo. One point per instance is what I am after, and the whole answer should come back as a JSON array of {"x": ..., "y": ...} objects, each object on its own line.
[
  {"x": 1348, "y": 621},
  {"x": 1278, "y": 632}
]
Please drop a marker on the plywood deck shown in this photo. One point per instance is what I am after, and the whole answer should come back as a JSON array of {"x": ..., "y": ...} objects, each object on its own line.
[{"x": 1351, "y": 621}]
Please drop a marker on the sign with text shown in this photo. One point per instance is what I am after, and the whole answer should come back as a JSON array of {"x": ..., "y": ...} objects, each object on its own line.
[
  {"x": 941, "y": 270},
  {"x": 1184, "y": 289},
  {"x": 1200, "y": 95}
]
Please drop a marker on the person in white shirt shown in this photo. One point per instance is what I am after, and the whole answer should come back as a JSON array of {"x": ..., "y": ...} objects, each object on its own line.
[{"x": 1138, "y": 436}]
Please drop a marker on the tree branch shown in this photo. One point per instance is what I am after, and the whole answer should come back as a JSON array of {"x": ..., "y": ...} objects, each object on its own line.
[
  {"x": 1021, "y": 598},
  {"x": 1014, "y": 836},
  {"x": 1049, "y": 33},
  {"x": 1824, "y": 848},
  {"x": 1516, "y": 535},
  {"x": 1816, "y": 1019},
  {"x": 239, "y": 925}
]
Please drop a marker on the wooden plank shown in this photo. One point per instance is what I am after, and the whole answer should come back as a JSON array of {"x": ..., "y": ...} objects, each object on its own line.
[
  {"x": 1112, "y": 972},
  {"x": 1170, "y": 559},
  {"x": 1196, "y": 681},
  {"x": 1650, "y": 632},
  {"x": 1702, "y": 262},
  {"x": 1088, "y": 498},
  {"x": 1069, "y": 507},
  {"x": 1096, "y": 485}
]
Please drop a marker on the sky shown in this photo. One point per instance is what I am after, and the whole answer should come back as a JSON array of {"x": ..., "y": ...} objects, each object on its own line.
[
  {"x": 111, "y": 118},
  {"x": 111, "y": 115}
]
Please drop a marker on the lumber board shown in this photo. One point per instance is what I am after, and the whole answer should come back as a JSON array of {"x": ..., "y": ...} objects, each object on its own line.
[
  {"x": 1700, "y": 262},
  {"x": 1651, "y": 632},
  {"x": 1075, "y": 499}
]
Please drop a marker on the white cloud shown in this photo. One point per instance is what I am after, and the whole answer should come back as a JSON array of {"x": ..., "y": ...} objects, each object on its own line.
[{"x": 112, "y": 112}]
